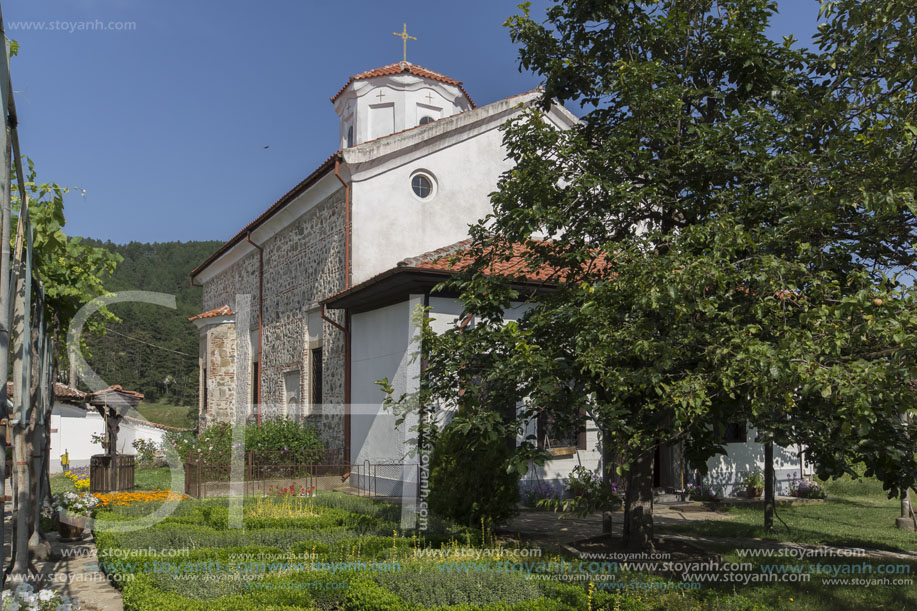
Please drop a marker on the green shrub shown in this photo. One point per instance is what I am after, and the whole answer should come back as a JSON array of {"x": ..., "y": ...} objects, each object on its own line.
[
  {"x": 140, "y": 594},
  {"x": 181, "y": 536},
  {"x": 359, "y": 505},
  {"x": 290, "y": 441},
  {"x": 469, "y": 480},
  {"x": 295, "y": 439},
  {"x": 427, "y": 585},
  {"x": 146, "y": 451},
  {"x": 180, "y": 442},
  {"x": 588, "y": 494},
  {"x": 368, "y": 596},
  {"x": 373, "y": 547}
]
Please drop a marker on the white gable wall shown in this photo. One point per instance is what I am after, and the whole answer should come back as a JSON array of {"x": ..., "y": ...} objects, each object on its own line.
[
  {"x": 465, "y": 156},
  {"x": 391, "y": 224}
]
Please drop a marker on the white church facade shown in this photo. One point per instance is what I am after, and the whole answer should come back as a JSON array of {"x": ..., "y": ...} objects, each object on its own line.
[{"x": 311, "y": 303}]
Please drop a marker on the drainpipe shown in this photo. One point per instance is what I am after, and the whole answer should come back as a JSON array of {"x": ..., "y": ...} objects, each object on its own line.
[
  {"x": 248, "y": 237},
  {"x": 345, "y": 329}
]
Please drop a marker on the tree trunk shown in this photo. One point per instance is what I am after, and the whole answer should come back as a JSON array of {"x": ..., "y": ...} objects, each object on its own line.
[
  {"x": 769, "y": 486},
  {"x": 638, "y": 518},
  {"x": 607, "y": 478},
  {"x": 906, "y": 521}
]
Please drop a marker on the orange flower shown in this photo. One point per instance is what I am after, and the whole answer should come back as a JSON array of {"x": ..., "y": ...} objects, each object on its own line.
[{"x": 123, "y": 499}]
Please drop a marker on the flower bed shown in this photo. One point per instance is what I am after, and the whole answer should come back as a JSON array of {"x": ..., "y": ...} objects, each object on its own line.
[
  {"x": 79, "y": 477},
  {"x": 24, "y": 596},
  {"x": 123, "y": 499}
]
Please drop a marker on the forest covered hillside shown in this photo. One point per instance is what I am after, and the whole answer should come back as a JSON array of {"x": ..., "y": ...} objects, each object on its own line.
[{"x": 153, "y": 349}]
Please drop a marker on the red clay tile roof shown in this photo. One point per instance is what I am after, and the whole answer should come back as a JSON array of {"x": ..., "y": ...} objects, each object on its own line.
[
  {"x": 455, "y": 258},
  {"x": 114, "y": 396},
  {"x": 399, "y": 68},
  {"x": 164, "y": 427},
  {"x": 61, "y": 391},
  {"x": 220, "y": 311}
]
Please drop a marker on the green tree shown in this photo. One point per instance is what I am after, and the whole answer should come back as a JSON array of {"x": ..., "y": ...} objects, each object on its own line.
[
  {"x": 729, "y": 224},
  {"x": 71, "y": 272}
]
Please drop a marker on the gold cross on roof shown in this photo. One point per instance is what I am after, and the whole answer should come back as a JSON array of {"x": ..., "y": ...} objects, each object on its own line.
[{"x": 404, "y": 37}]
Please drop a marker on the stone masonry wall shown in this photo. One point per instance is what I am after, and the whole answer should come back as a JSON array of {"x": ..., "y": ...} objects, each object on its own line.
[
  {"x": 303, "y": 263},
  {"x": 218, "y": 356}
]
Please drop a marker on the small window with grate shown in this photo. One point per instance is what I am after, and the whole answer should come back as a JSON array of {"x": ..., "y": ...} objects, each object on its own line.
[{"x": 423, "y": 185}]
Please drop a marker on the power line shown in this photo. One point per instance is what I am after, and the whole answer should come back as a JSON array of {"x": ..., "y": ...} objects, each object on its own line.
[{"x": 107, "y": 330}]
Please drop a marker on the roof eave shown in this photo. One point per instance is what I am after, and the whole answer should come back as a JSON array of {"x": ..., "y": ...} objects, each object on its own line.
[
  {"x": 393, "y": 285},
  {"x": 288, "y": 197}
]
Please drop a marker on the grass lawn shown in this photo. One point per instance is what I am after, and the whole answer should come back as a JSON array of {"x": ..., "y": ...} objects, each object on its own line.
[
  {"x": 157, "y": 478},
  {"x": 820, "y": 594},
  {"x": 857, "y": 514},
  {"x": 179, "y": 416}
]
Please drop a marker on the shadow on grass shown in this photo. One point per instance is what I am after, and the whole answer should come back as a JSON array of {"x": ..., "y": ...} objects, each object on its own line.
[
  {"x": 738, "y": 530},
  {"x": 816, "y": 594}
]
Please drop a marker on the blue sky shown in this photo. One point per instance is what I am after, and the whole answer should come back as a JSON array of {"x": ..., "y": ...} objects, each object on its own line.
[{"x": 162, "y": 118}]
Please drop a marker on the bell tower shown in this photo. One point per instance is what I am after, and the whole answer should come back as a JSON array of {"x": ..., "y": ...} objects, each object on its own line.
[{"x": 394, "y": 98}]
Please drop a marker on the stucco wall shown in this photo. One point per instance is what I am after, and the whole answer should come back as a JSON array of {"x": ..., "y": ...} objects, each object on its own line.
[
  {"x": 390, "y": 223},
  {"x": 72, "y": 429},
  {"x": 380, "y": 349},
  {"x": 727, "y": 471}
]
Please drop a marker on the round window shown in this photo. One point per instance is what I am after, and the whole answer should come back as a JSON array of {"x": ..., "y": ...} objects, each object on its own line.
[
  {"x": 422, "y": 185},
  {"x": 426, "y": 119}
]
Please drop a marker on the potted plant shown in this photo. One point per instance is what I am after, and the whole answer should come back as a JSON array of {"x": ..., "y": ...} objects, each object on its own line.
[
  {"x": 754, "y": 484},
  {"x": 805, "y": 488},
  {"x": 703, "y": 493},
  {"x": 72, "y": 511},
  {"x": 581, "y": 480}
]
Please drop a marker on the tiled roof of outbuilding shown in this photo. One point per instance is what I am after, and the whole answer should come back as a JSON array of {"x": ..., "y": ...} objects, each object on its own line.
[{"x": 220, "y": 311}]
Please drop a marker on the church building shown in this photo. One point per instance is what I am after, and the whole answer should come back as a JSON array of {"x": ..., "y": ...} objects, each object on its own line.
[{"x": 311, "y": 303}]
